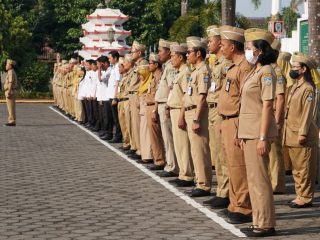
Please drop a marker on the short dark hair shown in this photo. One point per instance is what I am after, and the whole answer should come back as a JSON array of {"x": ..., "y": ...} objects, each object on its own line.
[
  {"x": 93, "y": 62},
  {"x": 239, "y": 46},
  {"x": 115, "y": 54},
  {"x": 268, "y": 55},
  {"x": 159, "y": 64},
  {"x": 201, "y": 50},
  {"x": 183, "y": 55},
  {"x": 103, "y": 59}
]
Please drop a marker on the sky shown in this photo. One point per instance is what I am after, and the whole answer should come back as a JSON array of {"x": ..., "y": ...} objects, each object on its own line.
[{"x": 246, "y": 8}]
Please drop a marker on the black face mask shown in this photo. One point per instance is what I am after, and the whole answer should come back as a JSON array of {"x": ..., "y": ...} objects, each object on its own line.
[{"x": 294, "y": 74}]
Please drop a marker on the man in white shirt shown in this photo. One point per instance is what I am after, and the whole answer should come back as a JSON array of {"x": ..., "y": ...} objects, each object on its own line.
[
  {"x": 103, "y": 98},
  {"x": 114, "y": 80}
]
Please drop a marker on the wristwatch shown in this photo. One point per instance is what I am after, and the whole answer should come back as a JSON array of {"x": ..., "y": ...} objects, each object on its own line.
[
  {"x": 263, "y": 139},
  {"x": 196, "y": 121}
]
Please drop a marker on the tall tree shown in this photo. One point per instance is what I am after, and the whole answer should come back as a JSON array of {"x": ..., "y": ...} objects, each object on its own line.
[{"x": 314, "y": 29}]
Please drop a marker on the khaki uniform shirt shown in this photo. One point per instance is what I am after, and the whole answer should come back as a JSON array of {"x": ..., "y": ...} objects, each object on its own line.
[
  {"x": 11, "y": 78},
  {"x": 134, "y": 80},
  {"x": 124, "y": 84},
  {"x": 218, "y": 73},
  {"x": 281, "y": 82},
  {"x": 165, "y": 83},
  {"x": 259, "y": 86},
  {"x": 229, "y": 99},
  {"x": 180, "y": 85},
  {"x": 299, "y": 115},
  {"x": 197, "y": 83},
  {"x": 152, "y": 88}
]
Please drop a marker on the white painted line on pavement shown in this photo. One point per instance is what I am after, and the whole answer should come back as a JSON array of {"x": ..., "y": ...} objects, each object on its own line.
[{"x": 210, "y": 214}]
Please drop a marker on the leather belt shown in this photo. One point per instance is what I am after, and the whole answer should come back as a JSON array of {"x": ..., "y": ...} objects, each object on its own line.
[
  {"x": 212, "y": 105},
  {"x": 172, "y": 108},
  {"x": 123, "y": 99},
  {"x": 133, "y": 92},
  {"x": 190, "y": 108},
  {"x": 150, "y": 104},
  {"x": 228, "y": 117}
]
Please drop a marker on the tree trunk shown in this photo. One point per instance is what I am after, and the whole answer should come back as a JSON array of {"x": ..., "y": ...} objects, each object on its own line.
[
  {"x": 314, "y": 29},
  {"x": 184, "y": 7},
  {"x": 228, "y": 8}
]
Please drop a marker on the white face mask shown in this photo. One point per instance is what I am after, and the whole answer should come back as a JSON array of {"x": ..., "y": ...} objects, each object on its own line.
[{"x": 250, "y": 57}]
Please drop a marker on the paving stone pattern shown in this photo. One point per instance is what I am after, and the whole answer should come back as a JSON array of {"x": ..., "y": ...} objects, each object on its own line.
[{"x": 57, "y": 182}]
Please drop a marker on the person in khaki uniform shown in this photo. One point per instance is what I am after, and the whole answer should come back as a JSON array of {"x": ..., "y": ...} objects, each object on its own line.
[
  {"x": 137, "y": 53},
  {"x": 276, "y": 164},
  {"x": 157, "y": 144},
  {"x": 10, "y": 86},
  {"x": 175, "y": 104},
  {"x": 257, "y": 128},
  {"x": 79, "y": 114},
  {"x": 284, "y": 64},
  {"x": 196, "y": 116},
  {"x": 122, "y": 99},
  {"x": 232, "y": 40},
  {"x": 128, "y": 64},
  {"x": 161, "y": 97},
  {"x": 300, "y": 131},
  {"x": 219, "y": 68}
]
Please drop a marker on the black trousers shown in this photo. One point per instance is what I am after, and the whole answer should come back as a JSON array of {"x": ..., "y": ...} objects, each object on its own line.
[
  {"x": 84, "y": 111},
  {"x": 117, "y": 129},
  {"x": 107, "y": 117}
]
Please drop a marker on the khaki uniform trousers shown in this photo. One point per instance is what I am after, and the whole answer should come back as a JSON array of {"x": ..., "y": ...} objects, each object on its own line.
[
  {"x": 145, "y": 142},
  {"x": 200, "y": 151},
  {"x": 64, "y": 101},
  {"x": 70, "y": 103},
  {"x": 238, "y": 185},
  {"x": 122, "y": 122},
  {"x": 304, "y": 170},
  {"x": 157, "y": 144},
  {"x": 286, "y": 159},
  {"x": 127, "y": 116},
  {"x": 135, "y": 122},
  {"x": 263, "y": 212},
  {"x": 11, "y": 107},
  {"x": 77, "y": 108},
  {"x": 276, "y": 166},
  {"x": 181, "y": 147},
  {"x": 166, "y": 130},
  {"x": 217, "y": 158}
]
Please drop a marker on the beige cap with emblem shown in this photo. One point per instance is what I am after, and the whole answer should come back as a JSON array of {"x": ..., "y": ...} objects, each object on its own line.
[
  {"x": 121, "y": 60},
  {"x": 138, "y": 46},
  {"x": 276, "y": 44},
  {"x": 11, "y": 62},
  {"x": 179, "y": 48},
  {"x": 164, "y": 43},
  {"x": 128, "y": 58},
  {"x": 232, "y": 33},
  {"x": 193, "y": 41},
  {"x": 213, "y": 30},
  {"x": 303, "y": 58},
  {"x": 253, "y": 34},
  {"x": 154, "y": 57}
]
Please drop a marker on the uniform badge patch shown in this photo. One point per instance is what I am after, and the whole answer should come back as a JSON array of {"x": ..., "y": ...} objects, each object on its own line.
[
  {"x": 206, "y": 78},
  {"x": 267, "y": 78},
  {"x": 280, "y": 80},
  {"x": 309, "y": 98}
]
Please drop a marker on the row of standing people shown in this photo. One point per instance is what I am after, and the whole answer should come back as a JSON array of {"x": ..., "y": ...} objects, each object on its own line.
[{"x": 185, "y": 115}]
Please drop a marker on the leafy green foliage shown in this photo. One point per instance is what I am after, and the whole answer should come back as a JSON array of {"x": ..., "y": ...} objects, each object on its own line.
[{"x": 289, "y": 16}]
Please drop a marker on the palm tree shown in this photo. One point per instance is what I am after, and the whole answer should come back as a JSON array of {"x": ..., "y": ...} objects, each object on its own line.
[{"x": 314, "y": 29}]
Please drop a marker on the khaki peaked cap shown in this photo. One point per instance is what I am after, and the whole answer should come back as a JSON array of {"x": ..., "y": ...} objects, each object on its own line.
[{"x": 253, "y": 34}]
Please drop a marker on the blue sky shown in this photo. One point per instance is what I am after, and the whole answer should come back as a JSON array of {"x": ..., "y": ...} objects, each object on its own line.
[{"x": 246, "y": 8}]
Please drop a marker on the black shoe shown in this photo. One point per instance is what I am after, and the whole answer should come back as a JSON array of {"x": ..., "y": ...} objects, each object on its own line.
[
  {"x": 124, "y": 149},
  {"x": 106, "y": 137},
  {"x": 184, "y": 183},
  {"x": 115, "y": 140},
  {"x": 289, "y": 172},
  {"x": 217, "y": 202},
  {"x": 197, "y": 192},
  {"x": 9, "y": 125},
  {"x": 135, "y": 156},
  {"x": 238, "y": 218},
  {"x": 156, "y": 167},
  {"x": 278, "y": 193},
  {"x": 95, "y": 129},
  {"x": 101, "y": 133},
  {"x": 144, "y": 161},
  {"x": 258, "y": 232},
  {"x": 247, "y": 229},
  {"x": 167, "y": 174},
  {"x": 295, "y": 205},
  {"x": 131, "y": 151}
]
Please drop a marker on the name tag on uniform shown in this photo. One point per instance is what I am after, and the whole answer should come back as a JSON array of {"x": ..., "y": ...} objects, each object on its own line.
[
  {"x": 189, "y": 91},
  {"x": 228, "y": 84},
  {"x": 212, "y": 87},
  {"x": 119, "y": 90}
]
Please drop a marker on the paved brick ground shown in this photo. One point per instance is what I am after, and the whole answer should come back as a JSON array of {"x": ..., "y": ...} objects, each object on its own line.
[{"x": 57, "y": 182}]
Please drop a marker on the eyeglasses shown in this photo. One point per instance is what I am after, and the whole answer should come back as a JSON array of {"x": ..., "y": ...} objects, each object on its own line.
[{"x": 151, "y": 63}]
